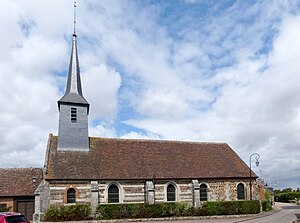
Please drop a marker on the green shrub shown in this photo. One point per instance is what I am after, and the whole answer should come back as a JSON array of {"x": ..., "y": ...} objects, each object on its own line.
[
  {"x": 172, "y": 209},
  {"x": 231, "y": 207},
  {"x": 169, "y": 209},
  {"x": 266, "y": 205},
  {"x": 68, "y": 213},
  {"x": 249, "y": 207},
  {"x": 119, "y": 211},
  {"x": 4, "y": 209}
]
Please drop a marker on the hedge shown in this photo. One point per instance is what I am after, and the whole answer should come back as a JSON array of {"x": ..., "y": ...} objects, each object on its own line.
[
  {"x": 119, "y": 211},
  {"x": 159, "y": 210},
  {"x": 75, "y": 212},
  {"x": 231, "y": 207},
  {"x": 266, "y": 205},
  {"x": 174, "y": 209}
]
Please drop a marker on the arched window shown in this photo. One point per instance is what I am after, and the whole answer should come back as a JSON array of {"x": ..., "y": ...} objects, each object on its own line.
[
  {"x": 171, "y": 193},
  {"x": 71, "y": 195},
  {"x": 203, "y": 192},
  {"x": 113, "y": 194},
  {"x": 240, "y": 191}
]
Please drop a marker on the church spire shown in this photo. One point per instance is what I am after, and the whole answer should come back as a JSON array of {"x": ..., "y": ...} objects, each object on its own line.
[
  {"x": 73, "y": 92},
  {"x": 73, "y": 108},
  {"x": 74, "y": 82}
]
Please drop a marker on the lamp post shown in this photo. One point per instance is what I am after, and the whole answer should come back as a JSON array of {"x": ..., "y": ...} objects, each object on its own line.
[
  {"x": 35, "y": 175},
  {"x": 257, "y": 156}
]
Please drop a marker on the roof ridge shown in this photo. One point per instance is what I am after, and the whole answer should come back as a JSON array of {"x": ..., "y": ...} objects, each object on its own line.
[
  {"x": 157, "y": 140},
  {"x": 161, "y": 140}
]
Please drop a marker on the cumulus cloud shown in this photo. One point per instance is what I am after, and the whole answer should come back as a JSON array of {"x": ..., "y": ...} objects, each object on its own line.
[
  {"x": 101, "y": 86},
  {"x": 220, "y": 72}
]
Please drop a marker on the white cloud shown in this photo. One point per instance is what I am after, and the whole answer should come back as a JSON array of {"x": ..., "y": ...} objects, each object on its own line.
[
  {"x": 101, "y": 86},
  {"x": 105, "y": 130},
  {"x": 229, "y": 75},
  {"x": 255, "y": 109}
]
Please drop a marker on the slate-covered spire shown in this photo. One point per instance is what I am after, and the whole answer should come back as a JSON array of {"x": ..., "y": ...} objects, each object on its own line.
[
  {"x": 73, "y": 92},
  {"x": 74, "y": 84}
]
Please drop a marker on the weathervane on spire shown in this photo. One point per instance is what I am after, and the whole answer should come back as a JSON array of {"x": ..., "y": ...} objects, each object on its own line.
[{"x": 74, "y": 34}]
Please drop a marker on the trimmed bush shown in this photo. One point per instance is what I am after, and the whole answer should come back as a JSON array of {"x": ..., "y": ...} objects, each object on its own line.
[
  {"x": 174, "y": 209},
  {"x": 231, "y": 207},
  {"x": 168, "y": 210},
  {"x": 266, "y": 205},
  {"x": 75, "y": 212},
  {"x": 119, "y": 211}
]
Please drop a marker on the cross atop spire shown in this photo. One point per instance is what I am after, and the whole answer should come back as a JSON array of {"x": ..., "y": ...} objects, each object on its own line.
[{"x": 74, "y": 33}]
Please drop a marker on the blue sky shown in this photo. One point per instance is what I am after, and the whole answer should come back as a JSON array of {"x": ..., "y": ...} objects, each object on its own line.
[{"x": 209, "y": 71}]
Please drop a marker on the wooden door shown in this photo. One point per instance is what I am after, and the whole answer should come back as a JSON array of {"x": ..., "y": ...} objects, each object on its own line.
[{"x": 26, "y": 208}]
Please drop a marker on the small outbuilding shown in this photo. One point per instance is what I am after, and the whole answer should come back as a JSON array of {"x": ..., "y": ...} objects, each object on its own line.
[{"x": 17, "y": 186}]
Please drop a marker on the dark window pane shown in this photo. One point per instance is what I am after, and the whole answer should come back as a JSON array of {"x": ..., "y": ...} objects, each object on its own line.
[
  {"x": 171, "y": 193},
  {"x": 74, "y": 115},
  {"x": 203, "y": 192},
  {"x": 241, "y": 192},
  {"x": 18, "y": 218},
  {"x": 113, "y": 194},
  {"x": 71, "y": 196}
]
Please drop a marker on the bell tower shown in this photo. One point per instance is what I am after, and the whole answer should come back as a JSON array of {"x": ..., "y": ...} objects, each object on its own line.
[{"x": 73, "y": 108}]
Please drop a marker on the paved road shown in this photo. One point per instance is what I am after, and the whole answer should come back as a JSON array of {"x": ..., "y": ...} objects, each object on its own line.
[{"x": 285, "y": 215}]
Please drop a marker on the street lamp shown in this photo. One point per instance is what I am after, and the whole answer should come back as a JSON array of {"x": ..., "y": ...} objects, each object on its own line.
[
  {"x": 35, "y": 175},
  {"x": 257, "y": 156}
]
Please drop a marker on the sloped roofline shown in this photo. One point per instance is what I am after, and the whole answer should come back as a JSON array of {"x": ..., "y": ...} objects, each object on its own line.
[{"x": 135, "y": 159}]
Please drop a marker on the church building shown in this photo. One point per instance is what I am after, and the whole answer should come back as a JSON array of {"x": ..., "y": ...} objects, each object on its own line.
[{"x": 79, "y": 168}]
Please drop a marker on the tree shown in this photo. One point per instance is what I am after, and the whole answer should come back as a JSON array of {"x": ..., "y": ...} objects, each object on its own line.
[{"x": 286, "y": 190}]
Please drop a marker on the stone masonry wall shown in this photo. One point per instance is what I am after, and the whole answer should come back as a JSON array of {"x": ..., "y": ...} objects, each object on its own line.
[
  {"x": 134, "y": 191},
  {"x": 220, "y": 190},
  {"x": 58, "y": 191}
]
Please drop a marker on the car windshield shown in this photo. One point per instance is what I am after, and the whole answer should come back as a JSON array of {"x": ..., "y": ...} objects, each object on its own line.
[{"x": 16, "y": 218}]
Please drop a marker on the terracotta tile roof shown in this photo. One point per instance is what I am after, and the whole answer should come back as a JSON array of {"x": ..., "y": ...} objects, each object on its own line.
[
  {"x": 18, "y": 181},
  {"x": 114, "y": 159}
]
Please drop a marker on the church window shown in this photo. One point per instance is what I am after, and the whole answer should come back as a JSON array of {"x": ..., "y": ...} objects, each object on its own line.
[
  {"x": 240, "y": 191},
  {"x": 74, "y": 115},
  {"x": 171, "y": 193},
  {"x": 203, "y": 192},
  {"x": 71, "y": 195},
  {"x": 113, "y": 194}
]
